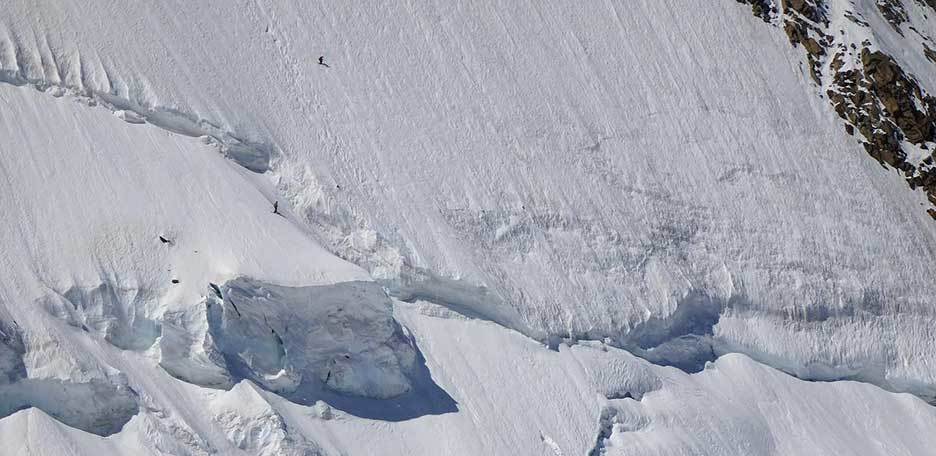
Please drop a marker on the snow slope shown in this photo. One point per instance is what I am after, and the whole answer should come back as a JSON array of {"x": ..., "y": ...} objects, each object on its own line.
[
  {"x": 616, "y": 171},
  {"x": 83, "y": 259},
  {"x": 566, "y": 169},
  {"x": 517, "y": 397}
]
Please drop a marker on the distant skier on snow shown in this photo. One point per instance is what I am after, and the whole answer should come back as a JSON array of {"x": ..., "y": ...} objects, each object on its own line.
[
  {"x": 276, "y": 207},
  {"x": 322, "y": 61}
]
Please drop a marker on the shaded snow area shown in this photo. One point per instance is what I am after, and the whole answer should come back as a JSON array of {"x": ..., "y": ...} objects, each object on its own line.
[{"x": 480, "y": 227}]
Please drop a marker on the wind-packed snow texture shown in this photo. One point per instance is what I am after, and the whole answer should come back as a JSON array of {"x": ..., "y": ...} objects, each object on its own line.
[{"x": 489, "y": 212}]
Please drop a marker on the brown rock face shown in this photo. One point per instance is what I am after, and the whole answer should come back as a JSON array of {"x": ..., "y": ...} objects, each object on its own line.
[
  {"x": 761, "y": 8},
  {"x": 813, "y": 47},
  {"x": 929, "y": 52},
  {"x": 873, "y": 95},
  {"x": 894, "y": 12},
  {"x": 810, "y": 9},
  {"x": 900, "y": 96}
]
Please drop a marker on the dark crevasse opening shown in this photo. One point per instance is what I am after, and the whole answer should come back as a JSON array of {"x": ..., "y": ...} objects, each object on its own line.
[{"x": 682, "y": 339}]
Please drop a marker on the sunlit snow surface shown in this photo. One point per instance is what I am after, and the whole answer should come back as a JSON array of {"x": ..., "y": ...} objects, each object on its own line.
[{"x": 619, "y": 171}]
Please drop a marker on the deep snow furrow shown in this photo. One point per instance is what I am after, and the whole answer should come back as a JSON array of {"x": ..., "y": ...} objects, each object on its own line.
[{"x": 251, "y": 155}]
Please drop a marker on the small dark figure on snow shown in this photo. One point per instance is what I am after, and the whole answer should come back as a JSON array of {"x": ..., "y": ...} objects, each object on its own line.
[
  {"x": 322, "y": 61},
  {"x": 276, "y": 207}
]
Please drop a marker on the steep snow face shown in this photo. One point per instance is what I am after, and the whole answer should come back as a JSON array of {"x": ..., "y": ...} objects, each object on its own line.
[
  {"x": 253, "y": 425},
  {"x": 584, "y": 172},
  {"x": 117, "y": 239},
  {"x": 342, "y": 336},
  {"x": 774, "y": 413},
  {"x": 617, "y": 171},
  {"x": 517, "y": 397}
]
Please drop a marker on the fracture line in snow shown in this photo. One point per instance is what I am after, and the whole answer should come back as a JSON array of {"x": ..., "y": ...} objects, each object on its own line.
[{"x": 255, "y": 157}]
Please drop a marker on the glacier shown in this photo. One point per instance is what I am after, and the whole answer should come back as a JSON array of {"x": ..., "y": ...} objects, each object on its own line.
[{"x": 623, "y": 227}]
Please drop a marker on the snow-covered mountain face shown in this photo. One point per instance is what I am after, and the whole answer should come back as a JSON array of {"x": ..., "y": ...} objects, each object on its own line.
[{"x": 495, "y": 224}]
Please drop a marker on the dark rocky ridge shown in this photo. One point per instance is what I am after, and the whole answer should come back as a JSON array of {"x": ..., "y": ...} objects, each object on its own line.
[
  {"x": 763, "y": 9},
  {"x": 894, "y": 12},
  {"x": 929, "y": 53},
  {"x": 870, "y": 91}
]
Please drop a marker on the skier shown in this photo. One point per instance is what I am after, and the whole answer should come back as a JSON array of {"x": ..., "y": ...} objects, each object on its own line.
[
  {"x": 322, "y": 61},
  {"x": 276, "y": 207}
]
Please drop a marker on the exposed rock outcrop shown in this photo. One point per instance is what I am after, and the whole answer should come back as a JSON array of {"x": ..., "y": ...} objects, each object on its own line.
[{"x": 878, "y": 99}]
